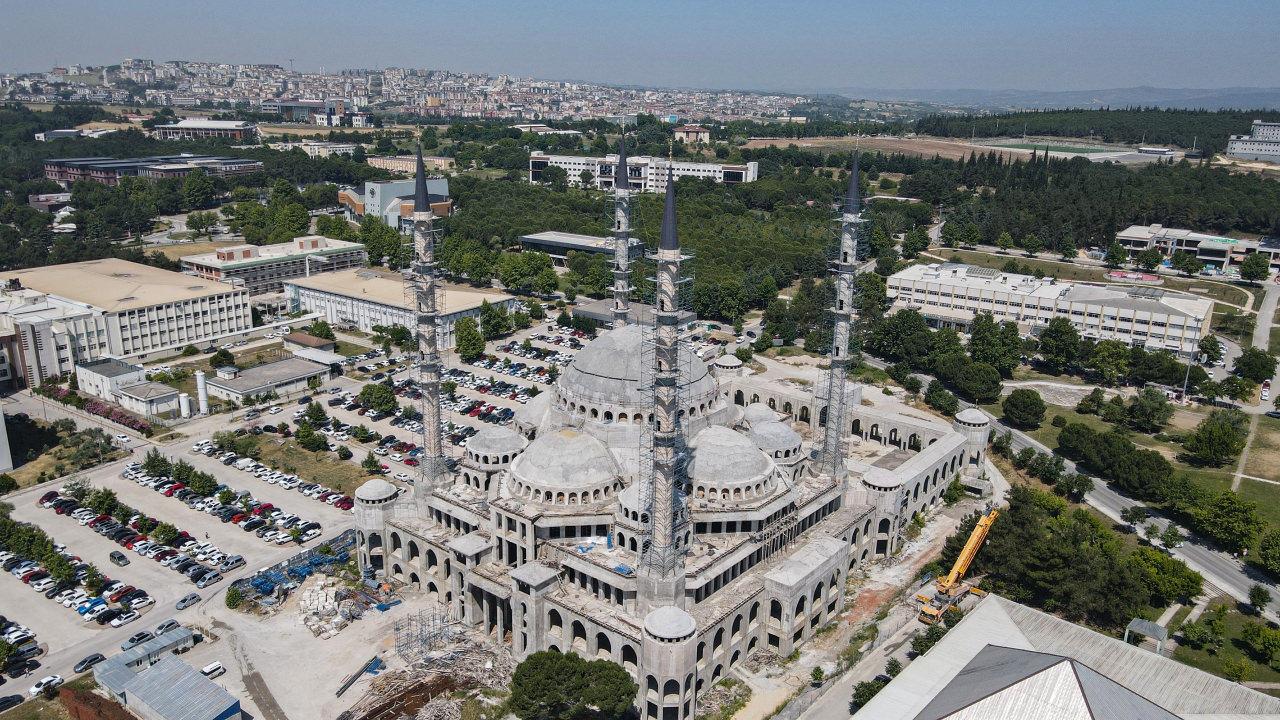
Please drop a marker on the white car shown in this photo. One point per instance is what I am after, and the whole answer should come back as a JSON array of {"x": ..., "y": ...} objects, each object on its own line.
[
  {"x": 139, "y": 603},
  {"x": 213, "y": 670},
  {"x": 122, "y": 438},
  {"x": 52, "y": 681},
  {"x": 275, "y": 410},
  {"x": 125, "y": 619},
  {"x": 403, "y": 477}
]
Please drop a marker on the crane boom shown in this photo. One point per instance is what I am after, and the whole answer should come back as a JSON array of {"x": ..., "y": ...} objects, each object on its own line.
[{"x": 961, "y": 565}]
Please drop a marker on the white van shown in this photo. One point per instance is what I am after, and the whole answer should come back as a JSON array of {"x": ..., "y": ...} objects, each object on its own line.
[{"x": 213, "y": 670}]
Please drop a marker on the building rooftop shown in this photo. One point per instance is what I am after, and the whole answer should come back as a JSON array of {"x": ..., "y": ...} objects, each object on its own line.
[
  {"x": 298, "y": 337},
  {"x": 202, "y": 124},
  {"x": 264, "y": 377},
  {"x": 173, "y": 689},
  {"x": 1006, "y": 660},
  {"x": 116, "y": 285},
  {"x": 109, "y": 367},
  {"x": 230, "y": 258},
  {"x": 148, "y": 390},
  {"x": 573, "y": 241},
  {"x": 388, "y": 288}
]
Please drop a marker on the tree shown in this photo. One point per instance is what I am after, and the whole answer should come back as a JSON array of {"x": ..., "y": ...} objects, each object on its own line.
[
  {"x": 1186, "y": 263},
  {"x": 1237, "y": 670},
  {"x": 1004, "y": 241},
  {"x": 1217, "y": 439},
  {"x": 1211, "y": 348},
  {"x": 221, "y": 358},
  {"x": 585, "y": 178},
  {"x": 1073, "y": 486},
  {"x": 1255, "y": 364},
  {"x": 550, "y": 685},
  {"x": 893, "y": 667},
  {"x": 102, "y": 501},
  {"x": 1059, "y": 344},
  {"x": 1269, "y": 552},
  {"x": 469, "y": 343},
  {"x": 197, "y": 190},
  {"x": 922, "y": 642},
  {"x": 1171, "y": 537},
  {"x": 939, "y": 398},
  {"x": 321, "y": 329},
  {"x": 1148, "y": 259},
  {"x": 1255, "y": 267},
  {"x": 379, "y": 397},
  {"x": 1149, "y": 411},
  {"x": 164, "y": 533},
  {"x": 1259, "y": 598},
  {"x": 234, "y": 597},
  {"x": 863, "y": 692},
  {"x": 1110, "y": 359},
  {"x": 556, "y": 177},
  {"x": 1133, "y": 514},
  {"x": 1032, "y": 245},
  {"x": 77, "y": 489},
  {"x": 1228, "y": 520},
  {"x": 1024, "y": 408},
  {"x": 1116, "y": 255},
  {"x": 371, "y": 464}
]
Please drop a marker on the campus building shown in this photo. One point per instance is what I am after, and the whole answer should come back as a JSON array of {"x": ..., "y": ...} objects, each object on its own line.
[
  {"x": 200, "y": 129},
  {"x": 264, "y": 268},
  {"x": 56, "y": 316},
  {"x": 405, "y": 163},
  {"x": 646, "y": 511},
  {"x": 1262, "y": 143},
  {"x": 644, "y": 174},
  {"x": 1214, "y": 251},
  {"x": 368, "y": 297},
  {"x": 953, "y": 294},
  {"x": 281, "y": 378},
  {"x": 559, "y": 244},
  {"x": 108, "y": 171},
  {"x": 392, "y": 201}
]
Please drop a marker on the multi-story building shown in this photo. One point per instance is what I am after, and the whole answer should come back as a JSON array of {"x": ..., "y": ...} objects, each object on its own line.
[
  {"x": 1214, "y": 251},
  {"x": 559, "y": 244},
  {"x": 368, "y": 297},
  {"x": 317, "y": 149},
  {"x": 644, "y": 174},
  {"x": 1262, "y": 143},
  {"x": 392, "y": 200},
  {"x": 692, "y": 134},
  {"x": 197, "y": 128},
  {"x": 952, "y": 295},
  {"x": 108, "y": 171},
  {"x": 56, "y": 316},
  {"x": 405, "y": 163},
  {"x": 265, "y": 268}
]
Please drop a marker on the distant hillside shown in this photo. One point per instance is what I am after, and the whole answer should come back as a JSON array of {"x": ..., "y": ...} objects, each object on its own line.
[
  {"x": 1192, "y": 98},
  {"x": 1208, "y": 130}
]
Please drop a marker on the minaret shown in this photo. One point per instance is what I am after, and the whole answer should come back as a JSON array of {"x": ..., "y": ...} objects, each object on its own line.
[
  {"x": 660, "y": 581},
  {"x": 621, "y": 238},
  {"x": 422, "y": 277},
  {"x": 843, "y": 271}
]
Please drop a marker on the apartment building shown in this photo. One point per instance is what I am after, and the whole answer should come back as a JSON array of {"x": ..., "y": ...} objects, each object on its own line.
[
  {"x": 54, "y": 317},
  {"x": 952, "y": 295},
  {"x": 1262, "y": 143},
  {"x": 644, "y": 173},
  {"x": 198, "y": 128},
  {"x": 407, "y": 164},
  {"x": 1214, "y": 251},
  {"x": 264, "y": 268},
  {"x": 364, "y": 298}
]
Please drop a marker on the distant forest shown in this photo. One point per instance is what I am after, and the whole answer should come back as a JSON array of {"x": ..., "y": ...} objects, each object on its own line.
[{"x": 1206, "y": 129}]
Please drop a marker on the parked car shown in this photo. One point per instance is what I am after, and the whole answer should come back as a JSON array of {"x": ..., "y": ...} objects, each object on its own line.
[
  {"x": 213, "y": 670},
  {"x": 136, "y": 639},
  {"x": 88, "y": 662},
  {"x": 188, "y": 600},
  {"x": 45, "y": 683}
]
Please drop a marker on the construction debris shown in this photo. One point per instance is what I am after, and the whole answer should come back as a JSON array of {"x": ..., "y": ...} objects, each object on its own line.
[
  {"x": 762, "y": 659},
  {"x": 721, "y": 696},
  {"x": 441, "y": 708},
  {"x": 326, "y": 607}
]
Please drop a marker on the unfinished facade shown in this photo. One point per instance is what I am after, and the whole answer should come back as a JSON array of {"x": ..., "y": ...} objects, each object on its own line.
[{"x": 648, "y": 512}]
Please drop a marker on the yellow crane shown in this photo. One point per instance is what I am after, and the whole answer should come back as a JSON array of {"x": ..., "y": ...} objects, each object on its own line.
[{"x": 949, "y": 589}]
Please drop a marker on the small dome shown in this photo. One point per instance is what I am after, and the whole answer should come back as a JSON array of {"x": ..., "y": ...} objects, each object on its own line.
[
  {"x": 758, "y": 413},
  {"x": 565, "y": 459},
  {"x": 608, "y": 371},
  {"x": 773, "y": 436},
  {"x": 973, "y": 416},
  {"x": 376, "y": 490},
  {"x": 722, "y": 456},
  {"x": 728, "y": 362},
  {"x": 496, "y": 440},
  {"x": 669, "y": 623}
]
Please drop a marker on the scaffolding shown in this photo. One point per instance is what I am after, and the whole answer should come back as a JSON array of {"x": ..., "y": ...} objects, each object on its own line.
[
  {"x": 425, "y": 294},
  {"x": 832, "y": 394},
  {"x": 419, "y": 635}
]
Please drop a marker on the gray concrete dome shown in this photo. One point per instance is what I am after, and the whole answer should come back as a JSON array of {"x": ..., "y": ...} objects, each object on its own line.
[
  {"x": 376, "y": 490},
  {"x": 774, "y": 436},
  {"x": 496, "y": 441},
  {"x": 607, "y": 372},
  {"x": 723, "y": 458},
  {"x": 565, "y": 466},
  {"x": 669, "y": 623},
  {"x": 758, "y": 413}
]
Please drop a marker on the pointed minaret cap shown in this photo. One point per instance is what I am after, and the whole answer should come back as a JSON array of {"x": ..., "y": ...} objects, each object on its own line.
[
  {"x": 421, "y": 203},
  {"x": 669, "y": 241},
  {"x": 620, "y": 170},
  {"x": 853, "y": 199}
]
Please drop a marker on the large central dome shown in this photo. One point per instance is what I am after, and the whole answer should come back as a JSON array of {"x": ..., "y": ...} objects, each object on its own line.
[{"x": 608, "y": 371}]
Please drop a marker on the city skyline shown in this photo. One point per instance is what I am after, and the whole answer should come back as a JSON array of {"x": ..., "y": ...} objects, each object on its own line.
[{"x": 821, "y": 46}]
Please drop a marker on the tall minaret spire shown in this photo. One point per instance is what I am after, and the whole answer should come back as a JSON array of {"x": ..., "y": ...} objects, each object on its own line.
[
  {"x": 660, "y": 580},
  {"x": 422, "y": 279},
  {"x": 843, "y": 270},
  {"x": 621, "y": 238}
]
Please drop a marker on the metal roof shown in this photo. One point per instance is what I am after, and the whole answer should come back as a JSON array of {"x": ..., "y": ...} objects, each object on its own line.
[{"x": 174, "y": 690}]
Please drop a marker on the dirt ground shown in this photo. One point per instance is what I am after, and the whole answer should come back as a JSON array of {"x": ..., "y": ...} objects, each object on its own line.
[
  {"x": 923, "y": 147},
  {"x": 181, "y": 250}
]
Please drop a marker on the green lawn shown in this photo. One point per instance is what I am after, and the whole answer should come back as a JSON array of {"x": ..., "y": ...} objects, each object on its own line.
[
  {"x": 322, "y": 467},
  {"x": 1232, "y": 649},
  {"x": 349, "y": 348}
]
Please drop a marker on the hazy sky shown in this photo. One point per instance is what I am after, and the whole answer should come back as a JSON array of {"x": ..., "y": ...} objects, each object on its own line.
[{"x": 795, "y": 45}]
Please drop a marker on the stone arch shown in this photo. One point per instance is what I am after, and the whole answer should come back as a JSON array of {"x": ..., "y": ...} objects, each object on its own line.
[
  {"x": 578, "y": 638},
  {"x": 804, "y": 413},
  {"x": 775, "y": 610},
  {"x": 718, "y": 642},
  {"x": 414, "y": 551},
  {"x": 736, "y": 632},
  {"x": 773, "y": 404},
  {"x": 738, "y": 398},
  {"x": 629, "y": 660},
  {"x": 604, "y": 648},
  {"x": 670, "y": 692},
  {"x": 555, "y": 623},
  {"x": 884, "y": 526},
  {"x": 375, "y": 541}
]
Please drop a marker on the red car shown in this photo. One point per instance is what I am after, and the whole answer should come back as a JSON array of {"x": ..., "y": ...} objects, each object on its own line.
[
  {"x": 411, "y": 462},
  {"x": 115, "y": 596},
  {"x": 164, "y": 555},
  {"x": 264, "y": 507},
  {"x": 176, "y": 487},
  {"x": 47, "y": 497},
  {"x": 238, "y": 517},
  {"x": 135, "y": 541},
  {"x": 26, "y": 576}
]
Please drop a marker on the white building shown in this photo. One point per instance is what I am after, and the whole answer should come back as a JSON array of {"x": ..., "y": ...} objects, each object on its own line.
[
  {"x": 198, "y": 128},
  {"x": 126, "y": 385},
  {"x": 364, "y": 298},
  {"x": 281, "y": 378},
  {"x": 264, "y": 268},
  {"x": 56, "y": 316},
  {"x": 1262, "y": 143},
  {"x": 317, "y": 148},
  {"x": 645, "y": 174},
  {"x": 1212, "y": 250},
  {"x": 952, "y": 295}
]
